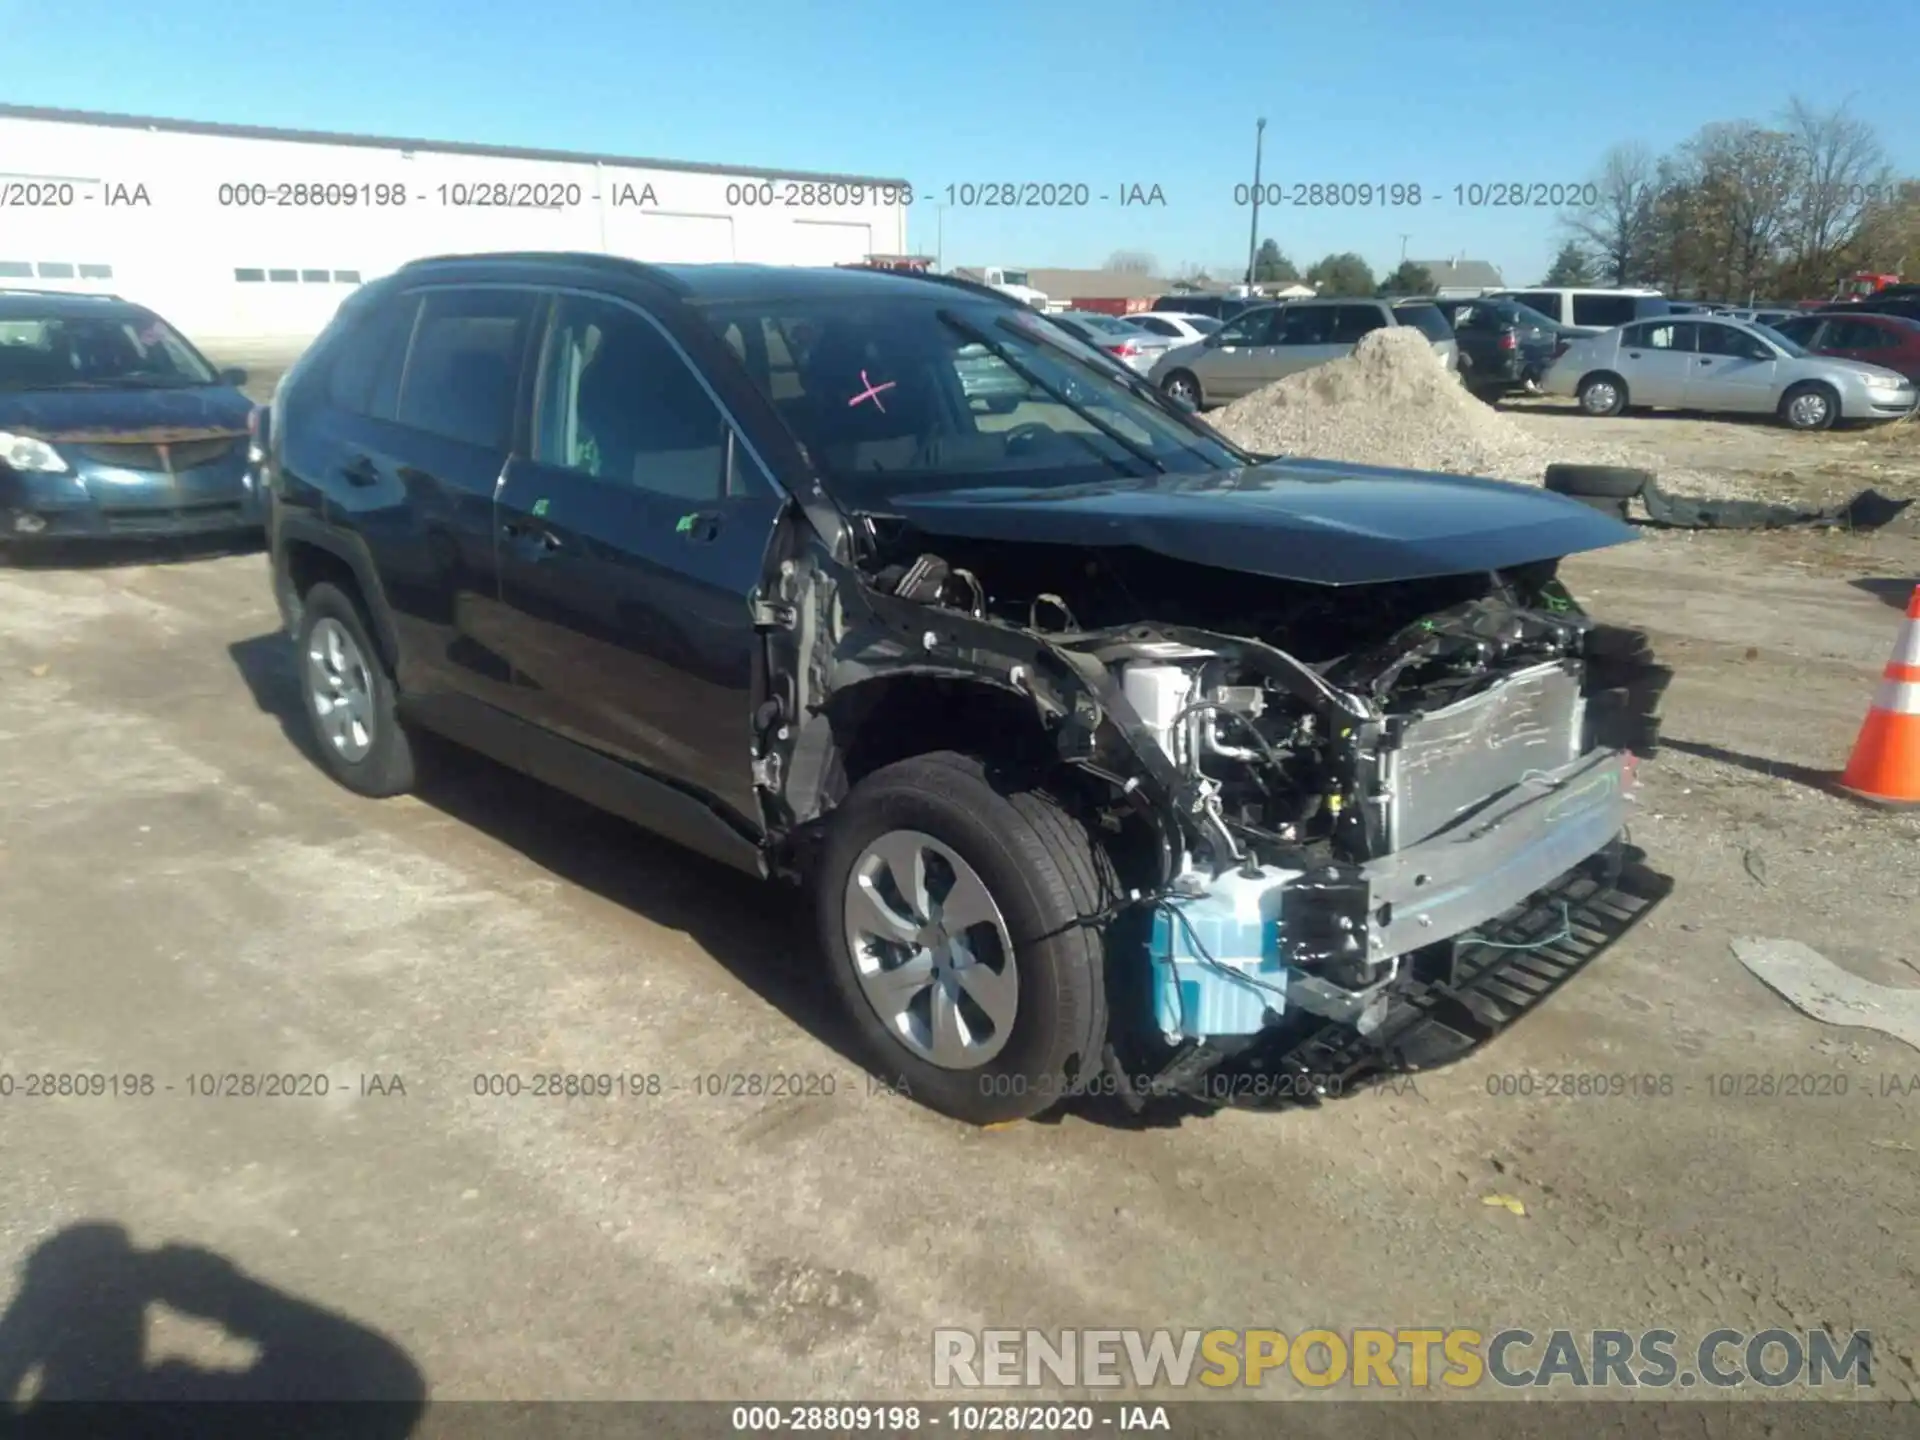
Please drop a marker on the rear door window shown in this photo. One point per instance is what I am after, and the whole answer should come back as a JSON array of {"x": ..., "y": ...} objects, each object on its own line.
[
  {"x": 1672, "y": 335},
  {"x": 463, "y": 370},
  {"x": 1350, "y": 322}
]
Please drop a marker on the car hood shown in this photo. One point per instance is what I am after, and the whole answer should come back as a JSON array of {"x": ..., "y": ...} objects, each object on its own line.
[
  {"x": 155, "y": 416},
  {"x": 1318, "y": 521}
]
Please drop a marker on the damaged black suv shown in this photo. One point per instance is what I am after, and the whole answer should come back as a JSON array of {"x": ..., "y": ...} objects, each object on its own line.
[{"x": 1116, "y": 758}]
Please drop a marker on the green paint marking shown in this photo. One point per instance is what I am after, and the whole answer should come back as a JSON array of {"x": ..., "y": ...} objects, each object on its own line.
[
  {"x": 685, "y": 526},
  {"x": 540, "y": 506}
]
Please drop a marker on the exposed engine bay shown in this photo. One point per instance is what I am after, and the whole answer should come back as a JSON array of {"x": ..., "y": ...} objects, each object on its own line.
[{"x": 1338, "y": 776}]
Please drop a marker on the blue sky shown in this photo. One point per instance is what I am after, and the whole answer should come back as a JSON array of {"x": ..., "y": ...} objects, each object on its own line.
[{"x": 1107, "y": 94}]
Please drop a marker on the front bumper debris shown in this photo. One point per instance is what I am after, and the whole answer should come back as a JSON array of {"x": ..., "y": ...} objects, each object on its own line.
[{"x": 1451, "y": 999}]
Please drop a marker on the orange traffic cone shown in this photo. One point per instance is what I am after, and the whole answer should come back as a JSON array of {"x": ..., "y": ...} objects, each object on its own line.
[{"x": 1886, "y": 758}]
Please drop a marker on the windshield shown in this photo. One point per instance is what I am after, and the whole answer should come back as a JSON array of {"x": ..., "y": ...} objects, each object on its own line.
[
  {"x": 120, "y": 348},
  {"x": 1792, "y": 347},
  {"x": 1013, "y": 277},
  {"x": 1205, "y": 324},
  {"x": 1111, "y": 324},
  {"x": 938, "y": 392}
]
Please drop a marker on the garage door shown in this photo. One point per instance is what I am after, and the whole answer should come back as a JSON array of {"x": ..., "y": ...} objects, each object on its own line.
[{"x": 667, "y": 239}]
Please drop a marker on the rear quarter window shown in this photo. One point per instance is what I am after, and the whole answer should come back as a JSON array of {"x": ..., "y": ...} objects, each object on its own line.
[
  {"x": 363, "y": 375},
  {"x": 1606, "y": 311}
]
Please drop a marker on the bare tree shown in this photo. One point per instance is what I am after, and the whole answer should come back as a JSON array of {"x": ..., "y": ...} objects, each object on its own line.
[
  {"x": 1614, "y": 226},
  {"x": 1132, "y": 262},
  {"x": 1840, "y": 174},
  {"x": 1742, "y": 194}
]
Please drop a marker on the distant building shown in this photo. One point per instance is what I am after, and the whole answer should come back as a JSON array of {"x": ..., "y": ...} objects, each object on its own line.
[{"x": 1461, "y": 277}]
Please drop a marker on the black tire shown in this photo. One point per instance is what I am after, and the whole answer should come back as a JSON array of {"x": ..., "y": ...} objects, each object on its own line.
[
  {"x": 1591, "y": 395},
  {"x": 1806, "y": 416},
  {"x": 1047, "y": 877},
  {"x": 1179, "y": 378},
  {"x": 387, "y": 768},
  {"x": 1617, "y": 482}
]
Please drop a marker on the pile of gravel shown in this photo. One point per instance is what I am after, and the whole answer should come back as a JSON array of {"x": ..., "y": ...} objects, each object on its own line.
[{"x": 1393, "y": 403}]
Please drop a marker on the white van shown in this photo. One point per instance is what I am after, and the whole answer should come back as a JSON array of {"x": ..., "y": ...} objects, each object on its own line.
[{"x": 1589, "y": 309}]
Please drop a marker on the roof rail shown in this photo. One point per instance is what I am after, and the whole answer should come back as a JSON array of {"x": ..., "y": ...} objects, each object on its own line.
[
  {"x": 592, "y": 259},
  {"x": 70, "y": 294},
  {"x": 960, "y": 282}
]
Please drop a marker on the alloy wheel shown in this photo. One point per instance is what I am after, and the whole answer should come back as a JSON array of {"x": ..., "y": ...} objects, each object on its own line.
[
  {"x": 340, "y": 689},
  {"x": 931, "y": 950}
]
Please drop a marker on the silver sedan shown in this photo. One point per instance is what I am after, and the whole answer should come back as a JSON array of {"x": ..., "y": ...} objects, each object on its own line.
[{"x": 1727, "y": 366}]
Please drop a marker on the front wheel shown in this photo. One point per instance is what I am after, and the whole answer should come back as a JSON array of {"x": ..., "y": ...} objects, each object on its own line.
[
  {"x": 1182, "y": 387},
  {"x": 1810, "y": 407},
  {"x": 957, "y": 908}
]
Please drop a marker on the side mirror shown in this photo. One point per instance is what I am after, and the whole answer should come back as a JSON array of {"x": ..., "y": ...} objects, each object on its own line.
[
  {"x": 233, "y": 375},
  {"x": 1215, "y": 340}
]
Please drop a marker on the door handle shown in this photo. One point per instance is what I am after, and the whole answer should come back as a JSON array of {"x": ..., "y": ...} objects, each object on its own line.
[
  {"x": 360, "y": 471},
  {"x": 535, "y": 538},
  {"x": 1633, "y": 354},
  {"x": 1706, "y": 362}
]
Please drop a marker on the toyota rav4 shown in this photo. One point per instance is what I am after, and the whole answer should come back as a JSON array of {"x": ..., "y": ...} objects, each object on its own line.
[{"x": 1115, "y": 758}]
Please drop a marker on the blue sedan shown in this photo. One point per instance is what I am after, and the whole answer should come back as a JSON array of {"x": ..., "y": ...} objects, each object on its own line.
[{"x": 112, "y": 424}]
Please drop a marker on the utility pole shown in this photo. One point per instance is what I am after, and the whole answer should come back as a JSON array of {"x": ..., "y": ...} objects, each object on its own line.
[
  {"x": 1253, "y": 239},
  {"x": 1403, "y": 248}
]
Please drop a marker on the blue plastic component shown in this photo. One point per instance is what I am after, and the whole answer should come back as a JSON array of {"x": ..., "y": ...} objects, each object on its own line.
[{"x": 1236, "y": 925}]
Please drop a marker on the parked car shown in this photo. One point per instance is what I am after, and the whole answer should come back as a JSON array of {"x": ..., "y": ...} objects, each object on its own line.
[
  {"x": 1177, "y": 326},
  {"x": 1504, "y": 345},
  {"x": 1214, "y": 307},
  {"x": 987, "y": 382},
  {"x": 1274, "y": 341},
  {"x": 719, "y": 549},
  {"x": 1889, "y": 341},
  {"x": 1887, "y": 304},
  {"x": 1724, "y": 365},
  {"x": 1127, "y": 342},
  {"x": 1589, "y": 308},
  {"x": 112, "y": 424}
]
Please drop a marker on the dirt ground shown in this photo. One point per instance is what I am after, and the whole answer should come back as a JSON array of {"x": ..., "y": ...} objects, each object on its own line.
[
  {"x": 186, "y": 895},
  {"x": 1752, "y": 456}
]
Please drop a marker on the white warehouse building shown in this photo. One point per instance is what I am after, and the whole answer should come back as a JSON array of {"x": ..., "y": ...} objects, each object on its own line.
[{"x": 247, "y": 238}]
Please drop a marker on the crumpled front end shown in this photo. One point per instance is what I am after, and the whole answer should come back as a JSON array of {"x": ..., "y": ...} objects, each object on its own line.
[{"x": 1345, "y": 788}]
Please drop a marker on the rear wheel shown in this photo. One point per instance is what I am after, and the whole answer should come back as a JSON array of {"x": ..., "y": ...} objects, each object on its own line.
[
  {"x": 350, "y": 697},
  {"x": 954, "y": 906},
  {"x": 1810, "y": 407},
  {"x": 1602, "y": 394}
]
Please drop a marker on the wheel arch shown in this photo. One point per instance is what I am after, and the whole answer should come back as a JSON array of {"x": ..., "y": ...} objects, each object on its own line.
[{"x": 305, "y": 553}]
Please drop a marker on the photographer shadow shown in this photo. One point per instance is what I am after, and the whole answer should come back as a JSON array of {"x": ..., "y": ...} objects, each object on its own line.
[{"x": 74, "y": 1350}]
